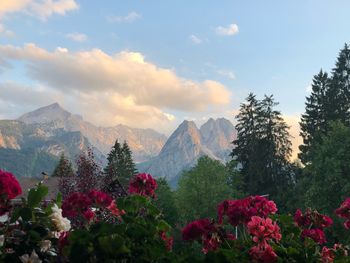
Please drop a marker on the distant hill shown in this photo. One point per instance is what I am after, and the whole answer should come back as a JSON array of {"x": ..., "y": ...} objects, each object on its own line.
[{"x": 187, "y": 144}]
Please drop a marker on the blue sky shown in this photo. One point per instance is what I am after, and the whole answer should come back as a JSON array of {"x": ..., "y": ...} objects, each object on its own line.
[{"x": 274, "y": 47}]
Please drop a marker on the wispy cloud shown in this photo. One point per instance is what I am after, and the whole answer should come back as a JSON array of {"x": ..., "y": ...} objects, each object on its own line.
[
  {"x": 77, "y": 37},
  {"x": 229, "y": 30},
  {"x": 227, "y": 73},
  {"x": 129, "y": 18},
  {"x": 6, "y": 32},
  {"x": 195, "y": 40},
  {"x": 39, "y": 8}
]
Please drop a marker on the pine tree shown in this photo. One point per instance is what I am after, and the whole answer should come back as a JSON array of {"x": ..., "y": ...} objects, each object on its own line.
[
  {"x": 262, "y": 148},
  {"x": 63, "y": 168},
  {"x": 329, "y": 101},
  {"x": 314, "y": 121},
  {"x": 119, "y": 170},
  {"x": 65, "y": 173},
  {"x": 88, "y": 173}
]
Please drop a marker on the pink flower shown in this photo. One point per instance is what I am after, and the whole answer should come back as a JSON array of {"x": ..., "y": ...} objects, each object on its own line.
[
  {"x": 344, "y": 212},
  {"x": 315, "y": 234},
  {"x": 115, "y": 210},
  {"x": 327, "y": 255},
  {"x": 241, "y": 211},
  {"x": 263, "y": 229},
  {"x": 167, "y": 240},
  {"x": 263, "y": 252},
  {"x": 143, "y": 184}
]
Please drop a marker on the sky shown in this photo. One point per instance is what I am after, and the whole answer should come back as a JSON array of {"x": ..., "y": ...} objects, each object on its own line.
[{"x": 152, "y": 64}]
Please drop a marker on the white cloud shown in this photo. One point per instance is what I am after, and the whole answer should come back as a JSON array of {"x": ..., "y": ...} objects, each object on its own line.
[
  {"x": 77, "y": 37},
  {"x": 226, "y": 73},
  {"x": 129, "y": 18},
  {"x": 230, "y": 30},
  {"x": 195, "y": 39},
  {"x": 39, "y": 8},
  {"x": 308, "y": 88},
  {"x": 6, "y": 32},
  {"x": 120, "y": 88}
]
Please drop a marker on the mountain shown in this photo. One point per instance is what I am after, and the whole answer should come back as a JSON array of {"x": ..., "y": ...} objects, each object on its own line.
[
  {"x": 187, "y": 144},
  {"x": 29, "y": 149},
  {"x": 144, "y": 143}
]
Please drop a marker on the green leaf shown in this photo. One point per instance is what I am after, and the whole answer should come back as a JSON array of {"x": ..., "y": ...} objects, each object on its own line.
[
  {"x": 26, "y": 213},
  {"x": 36, "y": 195}
]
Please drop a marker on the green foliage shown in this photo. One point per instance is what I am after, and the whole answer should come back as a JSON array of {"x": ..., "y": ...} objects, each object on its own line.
[
  {"x": 64, "y": 168},
  {"x": 263, "y": 148},
  {"x": 119, "y": 170},
  {"x": 166, "y": 201},
  {"x": 202, "y": 188}
]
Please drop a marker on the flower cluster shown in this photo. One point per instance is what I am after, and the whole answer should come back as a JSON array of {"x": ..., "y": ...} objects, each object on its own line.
[
  {"x": 262, "y": 252},
  {"x": 344, "y": 212},
  {"x": 312, "y": 223},
  {"x": 328, "y": 254},
  {"x": 208, "y": 232},
  {"x": 77, "y": 204},
  {"x": 263, "y": 230},
  {"x": 241, "y": 211},
  {"x": 167, "y": 240},
  {"x": 9, "y": 189},
  {"x": 143, "y": 184}
]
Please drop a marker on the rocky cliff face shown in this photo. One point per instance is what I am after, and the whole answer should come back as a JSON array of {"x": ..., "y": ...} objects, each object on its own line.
[
  {"x": 144, "y": 143},
  {"x": 187, "y": 144},
  {"x": 29, "y": 149}
]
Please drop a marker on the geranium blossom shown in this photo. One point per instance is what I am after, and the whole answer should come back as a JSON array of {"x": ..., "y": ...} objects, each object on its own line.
[
  {"x": 167, "y": 240},
  {"x": 241, "y": 211},
  {"x": 263, "y": 229},
  {"x": 344, "y": 212},
  {"x": 315, "y": 234},
  {"x": 9, "y": 189},
  {"x": 100, "y": 198},
  {"x": 327, "y": 255},
  {"x": 263, "y": 253},
  {"x": 114, "y": 209},
  {"x": 143, "y": 184},
  {"x": 77, "y": 204},
  {"x": 312, "y": 219}
]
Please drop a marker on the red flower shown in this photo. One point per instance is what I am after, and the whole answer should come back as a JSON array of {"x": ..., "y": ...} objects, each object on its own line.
[
  {"x": 100, "y": 198},
  {"x": 241, "y": 211},
  {"x": 77, "y": 204},
  {"x": 315, "y": 234},
  {"x": 327, "y": 255},
  {"x": 167, "y": 240},
  {"x": 115, "y": 210},
  {"x": 312, "y": 219},
  {"x": 143, "y": 184},
  {"x": 196, "y": 229},
  {"x": 344, "y": 212},
  {"x": 263, "y": 229},
  {"x": 63, "y": 240},
  {"x": 9, "y": 189},
  {"x": 263, "y": 252},
  {"x": 9, "y": 186}
]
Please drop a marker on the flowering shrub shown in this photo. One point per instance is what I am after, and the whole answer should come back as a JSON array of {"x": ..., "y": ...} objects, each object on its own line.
[
  {"x": 143, "y": 184},
  {"x": 93, "y": 227},
  {"x": 313, "y": 224}
]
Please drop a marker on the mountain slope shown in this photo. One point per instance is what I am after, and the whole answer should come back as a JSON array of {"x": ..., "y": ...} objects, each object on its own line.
[
  {"x": 187, "y": 144},
  {"x": 144, "y": 143},
  {"x": 29, "y": 149}
]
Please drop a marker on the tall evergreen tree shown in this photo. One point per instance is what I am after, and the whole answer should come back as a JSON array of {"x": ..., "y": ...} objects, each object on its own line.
[
  {"x": 263, "y": 148},
  {"x": 314, "y": 121},
  {"x": 119, "y": 170},
  {"x": 329, "y": 101},
  {"x": 88, "y": 173},
  {"x": 65, "y": 173}
]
